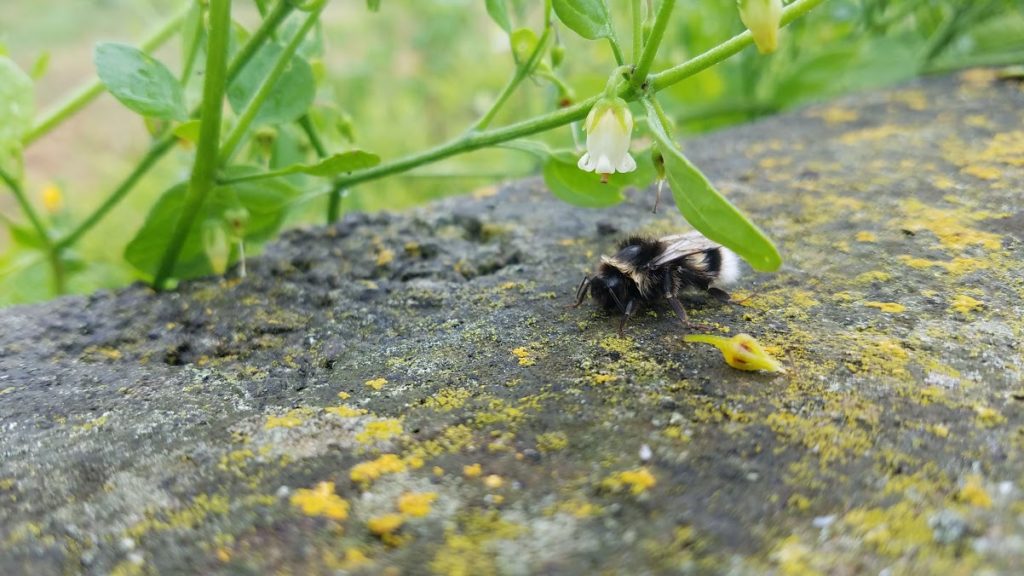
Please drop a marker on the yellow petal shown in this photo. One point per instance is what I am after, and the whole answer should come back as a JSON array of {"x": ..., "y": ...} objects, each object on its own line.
[{"x": 741, "y": 351}]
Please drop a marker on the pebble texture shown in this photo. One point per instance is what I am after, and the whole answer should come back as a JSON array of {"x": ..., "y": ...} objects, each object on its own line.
[{"x": 409, "y": 394}]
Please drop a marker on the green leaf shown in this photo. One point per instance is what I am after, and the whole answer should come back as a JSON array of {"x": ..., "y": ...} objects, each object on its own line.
[
  {"x": 188, "y": 131},
  {"x": 312, "y": 46},
  {"x": 338, "y": 163},
  {"x": 290, "y": 97},
  {"x": 139, "y": 81},
  {"x": 41, "y": 65},
  {"x": 523, "y": 42},
  {"x": 373, "y": 5},
  {"x": 710, "y": 213},
  {"x": 266, "y": 203},
  {"x": 499, "y": 13},
  {"x": 17, "y": 104},
  {"x": 588, "y": 18},
  {"x": 570, "y": 184},
  {"x": 26, "y": 237}
]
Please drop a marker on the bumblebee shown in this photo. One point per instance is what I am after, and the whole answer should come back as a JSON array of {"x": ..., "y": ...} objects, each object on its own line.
[{"x": 645, "y": 270}]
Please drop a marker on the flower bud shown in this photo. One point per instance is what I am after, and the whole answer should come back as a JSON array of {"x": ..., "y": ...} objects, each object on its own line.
[
  {"x": 53, "y": 200},
  {"x": 216, "y": 246},
  {"x": 741, "y": 352},
  {"x": 762, "y": 18},
  {"x": 236, "y": 219}
]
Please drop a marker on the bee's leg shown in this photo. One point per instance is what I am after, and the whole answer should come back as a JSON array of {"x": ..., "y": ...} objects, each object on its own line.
[
  {"x": 681, "y": 312},
  {"x": 581, "y": 291},
  {"x": 627, "y": 314},
  {"x": 720, "y": 295}
]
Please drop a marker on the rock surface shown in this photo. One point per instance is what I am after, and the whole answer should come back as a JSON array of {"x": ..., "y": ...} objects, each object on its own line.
[{"x": 410, "y": 393}]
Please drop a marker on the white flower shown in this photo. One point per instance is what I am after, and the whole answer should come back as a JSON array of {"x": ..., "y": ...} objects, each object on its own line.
[
  {"x": 609, "y": 128},
  {"x": 762, "y": 18}
]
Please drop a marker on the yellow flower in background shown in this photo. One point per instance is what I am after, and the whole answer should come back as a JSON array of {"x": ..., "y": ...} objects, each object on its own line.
[
  {"x": 741, "y": 352},
  {"x": 762, "y": 18},
  {"x": 53, "y": 199},
  {"x": 609, "y": 131}
]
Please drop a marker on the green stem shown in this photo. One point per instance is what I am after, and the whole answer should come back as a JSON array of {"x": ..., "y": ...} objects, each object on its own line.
[
  {"x": 522, "y": 71},
  {"x": 26, "y": 206},
  {"x": 193, "y": 50},
  {"x": 334, "y": 200},
  {"x": 247, "y": 116},
  {"x": 52, "y": 251},
  {"x": 281, "y": 11},
  {"x": 637, "y": 13},
  {"x": 89, "y": 92},
  {"x": 724, "y": 50},
  {"x": 205, "y": 168},
  {"x": 666, "y": 124},
  {"x": 616, "y": 51},
  {"x": 643, "y": 66},
  {"x": 561, "y": 117},
  {"x": 165, "y": 141}
]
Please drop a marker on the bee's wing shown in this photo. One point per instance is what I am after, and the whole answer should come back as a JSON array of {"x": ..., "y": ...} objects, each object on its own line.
[{"x": 679, "y": 246}]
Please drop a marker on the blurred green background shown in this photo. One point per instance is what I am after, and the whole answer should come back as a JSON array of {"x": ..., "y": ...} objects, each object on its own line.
[{"x": 417, "y": 73}]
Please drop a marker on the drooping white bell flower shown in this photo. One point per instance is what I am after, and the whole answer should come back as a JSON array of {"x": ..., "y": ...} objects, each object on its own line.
[
  {"x": 762, "y": 18},
  {"x": 609, "y": 128}
]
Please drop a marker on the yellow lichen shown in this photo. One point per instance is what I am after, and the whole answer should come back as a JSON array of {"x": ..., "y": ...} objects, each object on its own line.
[
  {"x": 892, "y": 531},
  {"x": 552, "y": 442},
  {"x": 887, "y": 307},
  {"x": 291, "y": 419},
  {"x": 385, "y": 256},
  {"x": 321, "y": 501},
  {"x": 524, "y": 356},
  {"x": 376, "y": 383},
  {"x": 829, "y": 441},
  {"x": 636, "y": 481},
  {"x": 793, "y": 558},
  {"x": 950, "y": 225},
  {"x": 835, "y": 114},
  {"x": 345, "y": 411},
  {"x": 365, "y": 473},
  {"x": 416, "y": 504},
  {"x": 493, "y": 481},
  {"x": 988, "y": 417},
  {"x": 380, "y": 430},
  {"x": 448, "y": 399},
  {"x": 964, "y": 304},
  {"x": 385, "y": 526},
  {"x": 472, "y": 470},
  {"x": 873, "y": 276},
  {"x": 973, "y": 493},
  {"x": 982, "y": 171},
  {"x": 866, "y": 236},
  {"x": 465, "y": 552}
]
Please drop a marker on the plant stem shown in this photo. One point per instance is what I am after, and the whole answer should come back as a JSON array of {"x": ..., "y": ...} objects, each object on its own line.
[
  {"x": 90, "y": 91},
  {"x": 522, "y": 71},
  {"x": 561, "y": 117},
  {"x": 725, "y": 49},
  {"x": 616, "y": 51},
  {"x": 52, "y": 252},
  {"x": 638, "y": 16},
  {"x": 193, "y": 50},
  {"x": 666, "y": 124},
  {"x": 165, "y": 141},
  {"x": 334, "y": 200},
  {"x": 643, "y": 66},
  {"x": 205, "y": 168},
  {"x": 26, "y": 206},
  {"x": 247, "y": 116},
  {"x": 266, "y": 29}
]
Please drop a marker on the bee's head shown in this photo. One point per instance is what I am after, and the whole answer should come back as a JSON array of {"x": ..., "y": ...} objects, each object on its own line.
[{"x": 611, "y": 288}]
